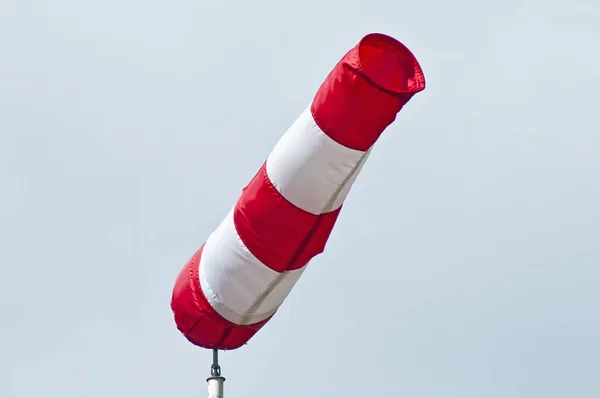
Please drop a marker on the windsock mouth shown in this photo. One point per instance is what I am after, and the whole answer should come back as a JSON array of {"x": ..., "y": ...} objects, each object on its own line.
[{"x": 389, "y": 65}]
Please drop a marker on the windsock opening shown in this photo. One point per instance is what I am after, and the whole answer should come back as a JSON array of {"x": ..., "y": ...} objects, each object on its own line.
[
  {"x": 389, "y": 64},
  {"x": 364, "y": 92}
]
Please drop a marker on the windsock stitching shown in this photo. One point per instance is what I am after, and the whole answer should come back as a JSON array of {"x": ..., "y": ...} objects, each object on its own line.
[{"x": 302, "y": 246}]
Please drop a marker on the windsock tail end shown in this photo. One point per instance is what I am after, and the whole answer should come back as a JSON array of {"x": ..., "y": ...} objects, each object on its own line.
[{"x": 198, "y": 321}]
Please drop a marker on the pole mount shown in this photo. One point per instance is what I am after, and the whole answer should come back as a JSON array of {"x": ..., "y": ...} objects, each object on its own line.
[
  {"x": 215, "y": 381},
  {"x": 215, "y": 369}
]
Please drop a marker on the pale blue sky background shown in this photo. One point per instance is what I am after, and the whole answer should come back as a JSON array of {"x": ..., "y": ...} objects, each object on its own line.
[{"x": 466, "y": 261}]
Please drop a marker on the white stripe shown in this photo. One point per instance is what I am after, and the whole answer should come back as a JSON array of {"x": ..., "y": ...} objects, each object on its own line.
[
  {"x": 308, "y": 168},
  {"x": 232, "y": 279}
]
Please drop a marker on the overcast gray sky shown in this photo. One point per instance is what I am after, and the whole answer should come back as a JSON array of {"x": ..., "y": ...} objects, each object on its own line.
[{"x": 465, "y": 263}]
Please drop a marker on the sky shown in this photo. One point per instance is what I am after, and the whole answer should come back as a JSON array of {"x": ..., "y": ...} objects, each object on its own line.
[{"x": 465, "y": 262}]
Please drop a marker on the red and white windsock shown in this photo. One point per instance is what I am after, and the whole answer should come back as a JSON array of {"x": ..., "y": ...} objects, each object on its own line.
[{"x": 240, "y": 276}]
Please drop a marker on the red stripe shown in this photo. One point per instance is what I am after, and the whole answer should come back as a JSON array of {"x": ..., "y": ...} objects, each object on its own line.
[
  {"x": 197, "y": 320},
  {"x": 365, "y": 90},
  {"x": 279, "y": 234}
]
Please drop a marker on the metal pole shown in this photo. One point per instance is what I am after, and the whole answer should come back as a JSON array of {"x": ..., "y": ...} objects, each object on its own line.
[{"x": 215, "y": 381}]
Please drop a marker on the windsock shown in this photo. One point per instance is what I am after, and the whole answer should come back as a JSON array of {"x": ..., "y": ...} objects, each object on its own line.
[{"x": 233, "y": 285}]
